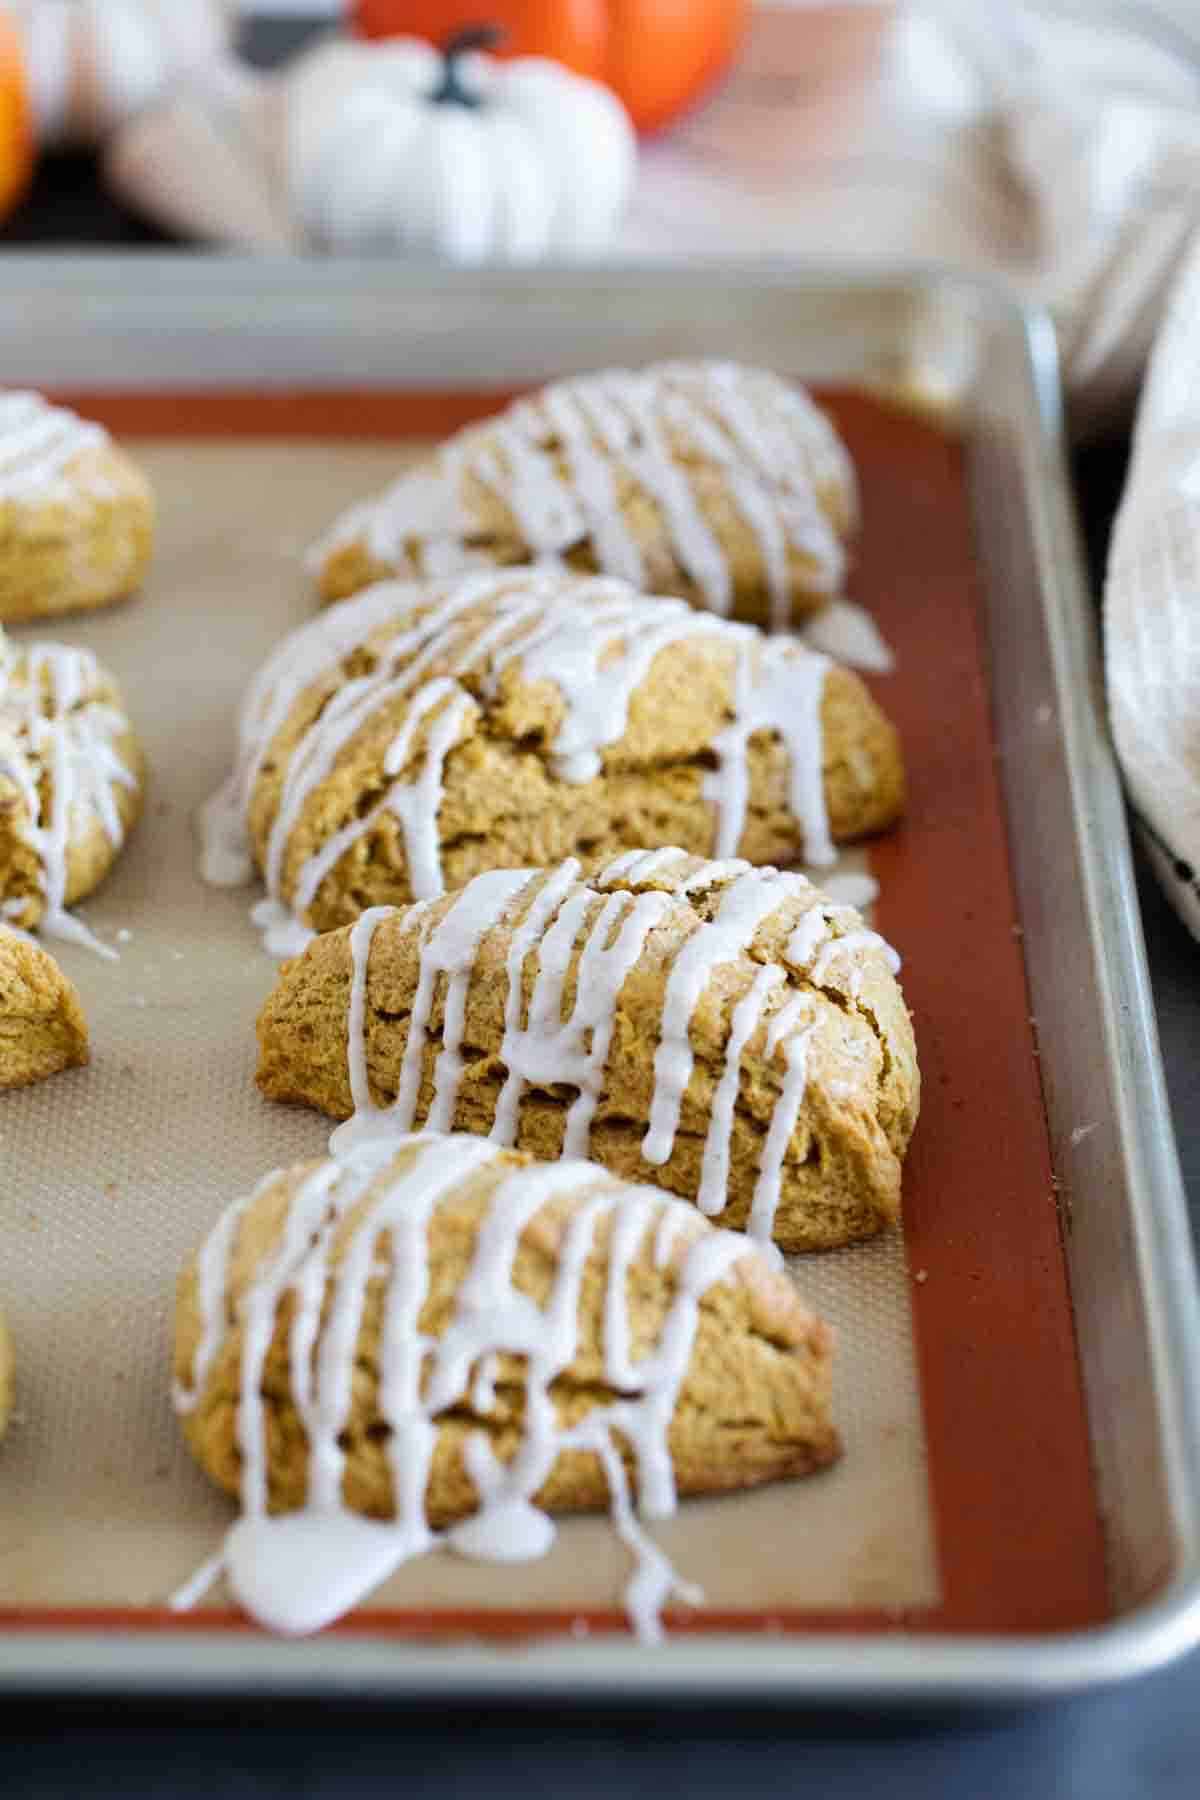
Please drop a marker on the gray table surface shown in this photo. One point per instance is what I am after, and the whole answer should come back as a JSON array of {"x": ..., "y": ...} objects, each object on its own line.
[{"x": 1140, "y": 1742}]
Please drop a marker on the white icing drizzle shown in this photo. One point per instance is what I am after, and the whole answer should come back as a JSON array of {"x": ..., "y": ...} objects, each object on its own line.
[
  {"x": 362, "y": 934},
  {"x": 549, "y": 1049},
  {"x": 790, "y": 1028},
  {"x": 573, "y": 649},
  {"x": 558, "y": 460},
  {"x": 815, "y": 950},
  {"x": 415, "y": 803},
  {"x": 638, "y": 866},
  {"x": 53, "y": 725},
  {"x": 298, "y": 1571},
  {"x": 779, "y": 690},
  {"x": 713, "y": 1192},
  {"x": 670, "y": 1222},
  {"x": 744, "y": 905},
  {"x": 448, "y": 950},
  {"x": 483, "y": 1388},
  {"x": 836, "y": 948},
  {"x": 38, "y": 442},
  {"x": 594, "y": 639},
  {"x": 302, "y": 658},
  {"x": 601, "y": 930}
]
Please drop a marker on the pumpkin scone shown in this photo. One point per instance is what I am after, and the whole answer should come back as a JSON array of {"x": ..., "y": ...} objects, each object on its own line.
[
  {"x": 42, "y": 1027},
  {"x": 413, "y": 736},
  {"x": 726, "y": 1032},
  {"x": 76, "y": 514},
  {"x": 71, "y": 780},
  {"x": 437, "y": 1332},
  {"x": 719, "y": 483}
]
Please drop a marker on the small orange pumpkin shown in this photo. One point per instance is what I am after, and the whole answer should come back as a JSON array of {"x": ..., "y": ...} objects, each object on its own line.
[
  {"x": 659, "y": 56},
  {"x": 16, "y": 125}
]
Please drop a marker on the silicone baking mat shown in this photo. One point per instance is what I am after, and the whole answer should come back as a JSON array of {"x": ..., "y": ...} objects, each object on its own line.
[{"x": 964, "y": 1499}]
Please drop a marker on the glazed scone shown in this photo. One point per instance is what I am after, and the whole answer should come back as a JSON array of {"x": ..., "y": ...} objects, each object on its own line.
[
  {"x": 718, "y": 483},
  {"x": 71, "y": 779},
  {"x": 6, "y": 1376},
  {"x": 42, "y": 1027},
  {"x": 434, "y": 1328},
  {"x": 411, "y": 737},
  {"x": 76, "y": 515},
  {"x": 728, "y": 1033}
]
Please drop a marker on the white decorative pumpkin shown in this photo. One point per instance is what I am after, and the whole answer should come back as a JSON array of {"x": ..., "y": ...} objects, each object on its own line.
[{"x": 396, "y": 147}]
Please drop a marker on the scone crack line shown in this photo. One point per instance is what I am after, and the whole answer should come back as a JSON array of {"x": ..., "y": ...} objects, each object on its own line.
[{"x": 354, "y": 1249}]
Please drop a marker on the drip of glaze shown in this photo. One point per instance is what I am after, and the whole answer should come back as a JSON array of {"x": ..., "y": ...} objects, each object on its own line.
[
  {"x": 744, "y": 905},
  {"x": 713, "y": 1192},
  {"x": 559, "y": 461},
  {"x": 447, "y": 950},
  {"x": 298, "y": 1572},
  {"x": 483, "y": 1388},
  {"x": 790, "y": 1028},
  {"x": 53, "y": 725},
  {"x": 397, "y": 676}
]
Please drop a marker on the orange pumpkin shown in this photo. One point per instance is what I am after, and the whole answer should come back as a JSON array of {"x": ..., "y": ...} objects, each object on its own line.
[
  {"x": 16, "y": 125},
  {"x": 659, "y": 55}
]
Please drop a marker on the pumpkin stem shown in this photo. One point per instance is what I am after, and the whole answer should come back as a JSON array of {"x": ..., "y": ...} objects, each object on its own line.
[{"x": 450, "y": 90}]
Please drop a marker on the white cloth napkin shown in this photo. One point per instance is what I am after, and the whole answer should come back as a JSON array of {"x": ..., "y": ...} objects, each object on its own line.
[
  {"x": 1057, "y": 145},
  {"x": 1098, "y": 124},
  {"x": 1152, "y": 602}
]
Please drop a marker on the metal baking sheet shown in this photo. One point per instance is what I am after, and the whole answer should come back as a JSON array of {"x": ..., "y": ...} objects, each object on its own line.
[{"x": 960, "y": 353}]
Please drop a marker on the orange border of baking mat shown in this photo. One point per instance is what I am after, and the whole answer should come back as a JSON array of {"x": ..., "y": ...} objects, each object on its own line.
[{"x": 1018, "y": 1534}]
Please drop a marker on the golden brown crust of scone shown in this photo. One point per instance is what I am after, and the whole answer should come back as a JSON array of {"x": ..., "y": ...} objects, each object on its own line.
[
  {"x": 85, "y": 545},
  {"x": 503, "y": 806},
  {"x": 42, "y": 1027},
  {"x": 754, "y": 1405},
  {"x": 841, "y": 1175},
  {"x": 6, "y": 1376},
  {"x": 490, "y": 533},
  {"x": 90, "y": 852}
]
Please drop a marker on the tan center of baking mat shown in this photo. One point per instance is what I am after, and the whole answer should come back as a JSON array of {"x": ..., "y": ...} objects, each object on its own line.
[{"x": 113, "y": 1173}]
